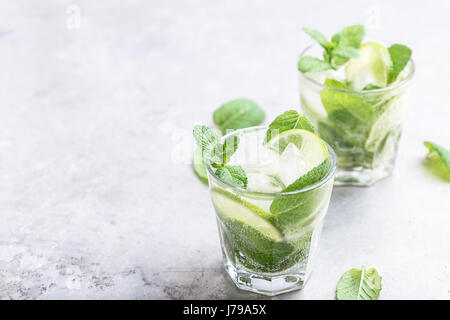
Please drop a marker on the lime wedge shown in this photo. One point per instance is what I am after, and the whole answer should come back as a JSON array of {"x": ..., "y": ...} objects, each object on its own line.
[
  {"x": 199, "y": 166},
  {"x": 372, "y": 66},
  {"x": 231, "y": 207},
  {"x": 250, "y": 237},
  {"x": 312, "y": 149}
]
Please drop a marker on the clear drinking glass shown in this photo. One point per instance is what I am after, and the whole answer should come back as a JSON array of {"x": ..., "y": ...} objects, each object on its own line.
[
  {"x": 365, "y": 141},
  {"x": 262, "y": 252}
]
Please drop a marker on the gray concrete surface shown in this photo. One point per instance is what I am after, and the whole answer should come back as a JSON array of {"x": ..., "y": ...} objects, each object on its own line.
[{"x": 97, "y": 196}]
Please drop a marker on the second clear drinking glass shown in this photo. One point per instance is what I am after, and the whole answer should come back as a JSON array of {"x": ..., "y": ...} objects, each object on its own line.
[{"x": 365, "y": 143}]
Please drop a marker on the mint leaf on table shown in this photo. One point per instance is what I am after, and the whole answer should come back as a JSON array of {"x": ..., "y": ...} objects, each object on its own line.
[
  {"x": 311, "y": 64},
  {"x": 319, "y": 37},
  {"x": 400, "y": 55},
  {"x": 438, "y": 160},
  {"x": 238, "y": 114},
  {"x": 234, "y": 175},
  {"x": 435, "y": 149},
  {"x": 359, "y": 284},
  {"x": 290, "y": 119},
  {"x": 339, "y": 100}
]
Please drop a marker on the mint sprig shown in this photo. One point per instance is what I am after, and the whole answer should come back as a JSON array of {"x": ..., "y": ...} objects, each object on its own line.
[
  {"x": 342, "y": 47},
  {"x": 219, "y": 154},
  {"x": 350, "y": 36},
  {"x": 319, "y": 37}
]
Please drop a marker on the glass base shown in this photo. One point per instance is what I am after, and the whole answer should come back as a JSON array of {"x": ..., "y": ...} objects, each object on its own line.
[
  {"x": 265, "y": 284},
  {"x": 362, "y": 177}
]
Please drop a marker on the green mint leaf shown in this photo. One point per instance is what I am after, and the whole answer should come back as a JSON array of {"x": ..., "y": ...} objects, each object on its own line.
[
  {"x": 346, "y": 52},
  {"x": 290, "y": 119},
  {"x": 313, "y": 176},
  {"x": 400, "y": 55},
  {"x": 442, "y": 152},
  {"x": 339, "y": 100},
  {"x": 332, "y": 135},
  {"x": 333, "y": 83},
  {"x": 238, "y": 114},
  {"x": 372, "y": 86},
  {"x": 209, "y": 147},
  {"x": 205, "y": 137},
  {"x": 343, "y": 46},
  {"x": 342, "y": 54},
  {"x": 199, "y": 166},
  {"x": 337, "y": 61},
  {"x": 311, "y": 64},
  {"x": 208, "y": 141},
  {"x": 234, "y": 175},
  {"x": 349, "y": 36},
  {"x": 291, "y": 210},
  {"x": 359, "y": 284},
  {"x": 438, "y": 160},
  {"x": 319, "y": 37}
]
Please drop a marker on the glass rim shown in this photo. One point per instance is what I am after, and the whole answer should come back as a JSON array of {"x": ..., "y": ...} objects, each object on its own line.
[
  {"x": 381, "y": 90},
  {"x": 313, "y": 186}
]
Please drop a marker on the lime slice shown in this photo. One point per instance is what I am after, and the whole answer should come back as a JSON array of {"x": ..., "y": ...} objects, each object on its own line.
[
  {"x": 372, "y": 66},
  {"x": 199, "y": 166},
  {"x": 312, "y": 149},
  {"x": 231, "y": 207},
  {"x": 249, "y": 235},
  {"x": 257, "y": 252}
]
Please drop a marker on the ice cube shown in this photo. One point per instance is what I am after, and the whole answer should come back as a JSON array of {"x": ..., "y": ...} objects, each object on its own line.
[
  {"x": 263, "y": 183},
  {"x": 291, "y": 165},
  {"x": 320, "y": 77},
  {"x": 310, "y": 94},
  {"x": 253, "y": 156}
]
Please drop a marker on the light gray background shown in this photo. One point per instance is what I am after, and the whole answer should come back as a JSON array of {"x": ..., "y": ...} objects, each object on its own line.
[{"x": 97, "y": 196}]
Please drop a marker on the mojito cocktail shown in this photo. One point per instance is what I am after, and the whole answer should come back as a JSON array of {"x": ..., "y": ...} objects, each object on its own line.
[
  {"x": 355, "y": 95},
  {"x": 270, "y": 224}
]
